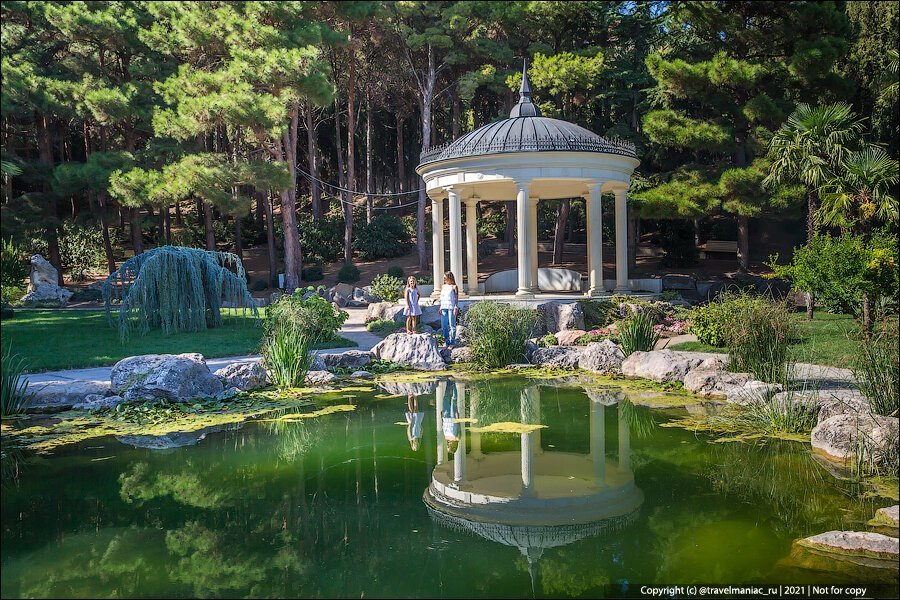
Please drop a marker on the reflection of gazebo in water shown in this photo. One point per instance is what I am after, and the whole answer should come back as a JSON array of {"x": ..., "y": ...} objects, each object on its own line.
[
  {"x": 527, "y": 158},
  {"x": 533, "y": 499}
]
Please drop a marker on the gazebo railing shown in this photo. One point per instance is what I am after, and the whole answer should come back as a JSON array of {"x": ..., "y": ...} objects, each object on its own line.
[{"x": 585, "y": 144}]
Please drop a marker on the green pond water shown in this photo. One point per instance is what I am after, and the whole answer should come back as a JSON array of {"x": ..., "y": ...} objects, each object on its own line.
[{"x": 600, "y": 501}]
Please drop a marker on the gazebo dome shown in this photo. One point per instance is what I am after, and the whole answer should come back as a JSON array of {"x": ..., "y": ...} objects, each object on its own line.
[{"x": 526, "y": 130}]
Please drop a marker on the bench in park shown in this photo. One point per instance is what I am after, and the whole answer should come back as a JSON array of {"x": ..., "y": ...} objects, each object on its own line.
[{"x": 721, "y": 246}]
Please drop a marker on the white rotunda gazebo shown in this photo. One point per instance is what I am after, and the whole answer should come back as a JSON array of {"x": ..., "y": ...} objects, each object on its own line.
[{"x": 530, "y": 158}]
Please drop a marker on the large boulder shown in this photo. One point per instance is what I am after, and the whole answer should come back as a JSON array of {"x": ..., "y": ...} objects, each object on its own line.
[
  {"x": 43, "y": 284},
  {"x": 383, "y": 310},
  {"x": 568, "y": 337},
  {"x": 560, "y": 315},
  {"x": 460, "y": 354},
  {"x": 852, "y": 405},
  {"x": 752, "y": 392},
  {"x": 889, "y": 516},
  {"x": 559, "y": 357},
  {"x": 854, "y": 543},
  {"x": 164, "y": 376},
  {"x": 604, "y": 357},
  {"x": 848, "y": 437},
  {"x": 319, "y": 377},
  {"x": 350, "y": 359},
  {"x": 417, "y": 350},
  {"x": 659, "y": 365},
  {"x": 64, "y": 394},
  {"x": 712, "y": 378},
  {"x": 243, "y": 376}
]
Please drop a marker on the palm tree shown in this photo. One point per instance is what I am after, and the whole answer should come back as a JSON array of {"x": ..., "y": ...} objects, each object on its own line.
[
  {"x": 861, "y": 191},
  {"x": 807, "y": 149},
  {"x": 858, "y": 195},
  {"x": 892, "y": 89}
]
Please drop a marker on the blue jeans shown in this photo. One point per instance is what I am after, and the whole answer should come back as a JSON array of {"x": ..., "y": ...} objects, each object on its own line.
[{"x": 448, "y": 326}]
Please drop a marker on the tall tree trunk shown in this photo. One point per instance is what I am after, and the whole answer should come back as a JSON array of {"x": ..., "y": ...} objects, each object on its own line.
[
  {"x": 102, "y": 199},
  {"x": 134, "y": 217},
  {"x": 743, "y": 223},
  {"x": 312, "y": 163},
  {"x": 45, "y": 149},
  {"x": 208, "y": 226},
  {"x": 238, "y": 242},
  {"x": 510, "y": 228},
  {"x": 868, "y": 317},
  {"x": 161, "y": 227},
  {"x": 370, "y": 173},
  {"x": 167, "y": 223},
  {"x": 270, "y": 238},
  {"x": 343, "y": 196},
  {"x": 292, "y": 259},
  {"x": 812, "y": 207},
  {"x": 179, "y": 218},
  {"x": 401, "y": 161},
  {"x": 559, "y": 235},
  {"x": 455, "y": 110},
  {"x": 351, "y": 159}
]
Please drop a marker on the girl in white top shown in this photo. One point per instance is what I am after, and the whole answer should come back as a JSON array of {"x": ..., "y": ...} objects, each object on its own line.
[
  {"x": 449, "y": 309},
  {"x": 412, "y": 309}
]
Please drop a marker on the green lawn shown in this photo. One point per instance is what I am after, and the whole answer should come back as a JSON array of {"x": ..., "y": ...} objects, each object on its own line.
[
  {"x": 826, "y": 340},
  {"x": 69, "y": 339}
]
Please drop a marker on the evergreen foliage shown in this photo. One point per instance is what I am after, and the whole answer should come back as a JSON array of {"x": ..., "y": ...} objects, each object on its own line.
[{"x": 176, "y": 289}]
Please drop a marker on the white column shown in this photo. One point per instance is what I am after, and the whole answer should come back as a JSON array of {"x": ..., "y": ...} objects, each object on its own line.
[
  {"x": 621, "y": 243},
  {"x": 598, "y": 442},
  {"x": 533, "y": 241},
  {"x": 523, "y": 216},
  {"x": 459, "y": 457},
  {"x": 440, "y": 389},
  {"x": 595, "y": 239},
  {"x": 472, "y": 245},
  {"x": 437, "y": 242},
  {"x": 624, "y": 443},
  {"x": 456, "y": 257}
]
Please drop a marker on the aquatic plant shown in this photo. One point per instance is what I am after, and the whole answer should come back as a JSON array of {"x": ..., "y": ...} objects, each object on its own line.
[
  {"x": 792, "y": 412},
  {"x": 639, "y": 419},
  {"x": 176, "y": 289},
  {"x": 877, "y": 370},
  {"x": 498, "y": 333},
  {"x": 307, "y": 312},
  {"x": 14, "y": 394},
  {"x": 759, "y": 334},
  {"x": 638, "y": 333},
  {"x": 287, "y": 355}
]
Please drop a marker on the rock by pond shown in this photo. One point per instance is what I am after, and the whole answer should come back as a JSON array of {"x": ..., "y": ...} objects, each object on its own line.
[
  {"x": 243, "y": 376},
  {"x": 418, "y": 350},
  {"x": 843, "y": 437},
  {"x": 351, "y": 359},
  {"x": 604, "y": 357},
  {"x": 659, "y": 365},
  {"x": 165, "y": 376},
  {"x": 854, "y": 543},
  {"x": 559, "y": 357}
]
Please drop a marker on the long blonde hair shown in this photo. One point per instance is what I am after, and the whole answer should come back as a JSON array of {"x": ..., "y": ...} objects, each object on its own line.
[{"x": 411, "y": 282}]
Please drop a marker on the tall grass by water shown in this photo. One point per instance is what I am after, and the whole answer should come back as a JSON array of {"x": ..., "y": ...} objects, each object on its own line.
[
  {"x": 876, "y": 369},
  {"x": 638, "y": 334},
  {"x": 14, "y": 394},
  {"x": 498, "y": 332},
  {"x": 287, "y": 355},
  {"x": 759, "y": 332}
]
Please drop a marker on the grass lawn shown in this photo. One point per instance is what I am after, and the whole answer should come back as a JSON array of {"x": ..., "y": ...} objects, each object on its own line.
[
  {"x": 826, "y": 340},
  {"x": 69, "y": 339}
]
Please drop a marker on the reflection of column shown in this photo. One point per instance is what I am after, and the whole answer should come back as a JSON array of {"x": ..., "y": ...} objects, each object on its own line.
[
  {"x": 624, "y": 443},
  {"x": 456, "y": 258},
  {"x": 595, "y": 240},
  {"x": 598, "y": 442},
  {"x": 523, "y": 215},
  {"x": 437, "y": 242},
  {"x": 621, "y": 242},
  {"x": 476, "y": 436},
  {"x": 533, "y": 242},
  {"x": 459, "y": 457},
  {"x": 472, "y": 245},
  {"x": 528, "y": 464},
  {"x": 536, "y": 412},
  {"x": 439, "y": 392}
]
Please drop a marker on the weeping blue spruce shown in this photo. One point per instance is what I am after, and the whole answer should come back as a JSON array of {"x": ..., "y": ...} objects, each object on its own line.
[{"x": 176, "y": 289}]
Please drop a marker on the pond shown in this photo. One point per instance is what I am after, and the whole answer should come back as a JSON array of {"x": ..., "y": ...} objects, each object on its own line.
[{"x": 495, "y": 487}]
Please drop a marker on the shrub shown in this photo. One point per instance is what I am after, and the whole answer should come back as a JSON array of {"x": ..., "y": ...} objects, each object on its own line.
[
  {"x": 384, "y": 237},
  {"x": 382, "y": 326},
  {"x": 287, "y": 354},
  {"x": 758, "y": 333},
  {"x": 14, "y": 394},
  {"x": 498, "y": 333},
  {"x": 259, "y": 285},
  {"x": 317, "y": 318},
  {"x": 492, "y": 224},
  {"x": 312, "y": 273},
  {"x": 387, "y": 287},
  {"x": 838, "y": 270},
  {"x": 322, "y": 240},
  {"x": 877, "y": 370},
  {"x": 598, "y": 313},
  {"x": 395, "y": 271},
  {"x": 348, "y": 273},
  {"x": 709, "y": 322},
  {"x": 547, "y": 341},
  {"x": 637, "y": 334},
  {"x": 13, "y": 265}
]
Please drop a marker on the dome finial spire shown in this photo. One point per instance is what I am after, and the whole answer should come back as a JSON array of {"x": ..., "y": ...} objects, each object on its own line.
[{"x": 525, "y": 107}]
